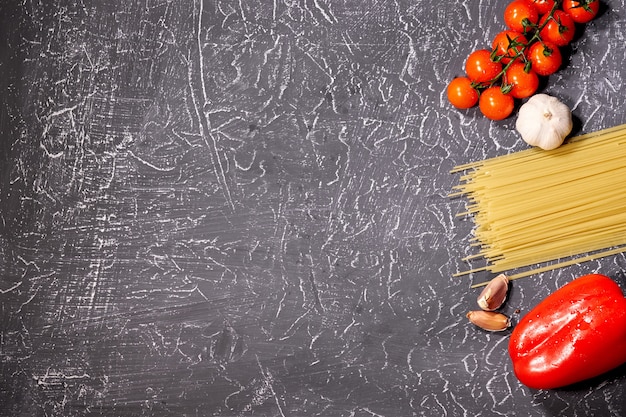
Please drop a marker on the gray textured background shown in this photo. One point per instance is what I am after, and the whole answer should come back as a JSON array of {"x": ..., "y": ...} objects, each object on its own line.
[{"x": 237, "y": 208}]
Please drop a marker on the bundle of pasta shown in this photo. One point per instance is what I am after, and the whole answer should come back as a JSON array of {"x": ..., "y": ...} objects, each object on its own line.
[{"x": 535, "y": 206}]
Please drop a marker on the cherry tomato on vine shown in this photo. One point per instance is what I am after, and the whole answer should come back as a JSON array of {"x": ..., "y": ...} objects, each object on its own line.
[
  {"x": 543, "y": 6},
  {"x": 523, "y": 83},
  {"x": 480, "y": 67},
  {"x": 581, "y": 11},
  {"x": 496, "y": 105},
  {"x": 521, "y": 15},
  {"x": 559, "y": 29},
  {"x": 545, "y": 58},
  {"x": 507, "y": 44},
  {"x": 461, "y": 93}
]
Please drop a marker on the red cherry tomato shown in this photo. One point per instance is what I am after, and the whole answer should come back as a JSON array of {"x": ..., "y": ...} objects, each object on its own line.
[
  {"x": 480, "y": 67},
  {"x": 545, "y": 58},
  {"x": 581, "y": 11},
  {"x": 496, "y": 105},
  {"x": 507, "y": 44},
  {"x": 461, "y": 93},
  {"x": 520, "y": 15},
  {"x": 559, "y": 29},
  {"x": 523, "y": 83},
  {"x": 543, "y": 6}
]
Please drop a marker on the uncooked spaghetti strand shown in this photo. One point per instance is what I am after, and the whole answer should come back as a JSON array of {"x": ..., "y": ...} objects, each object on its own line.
[
  {"x": 563, "y": 242},
  {"x": 561, "y": 227},
  {"x": 509, "y": 217},
  {"x": 535, "y": 206},
  {"x": 548, "y": 253},
  {"x": 589, "y": 139},
  {"x": 502, "y": 183},
  {"x": 558, "y": 265}
]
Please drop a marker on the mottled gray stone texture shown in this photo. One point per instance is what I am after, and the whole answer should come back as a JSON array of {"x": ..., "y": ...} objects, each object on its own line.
[{"x": 240, "y": 208}]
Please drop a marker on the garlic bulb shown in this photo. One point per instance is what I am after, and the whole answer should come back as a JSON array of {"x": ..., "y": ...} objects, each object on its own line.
[{"x": 544, "y": 121}]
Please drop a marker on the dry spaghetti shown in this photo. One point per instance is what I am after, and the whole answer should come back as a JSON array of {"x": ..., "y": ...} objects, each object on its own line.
[{"x": 535, "y": 206}]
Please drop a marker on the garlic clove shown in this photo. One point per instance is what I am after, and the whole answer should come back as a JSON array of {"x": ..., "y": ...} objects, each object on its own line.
[
  {"x": 489, "y": 320},
  {"x": 494, "y": 294}
]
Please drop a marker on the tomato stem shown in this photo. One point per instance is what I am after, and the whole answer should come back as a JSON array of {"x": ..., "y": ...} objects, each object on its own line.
[{"x": 521, "y": 52}]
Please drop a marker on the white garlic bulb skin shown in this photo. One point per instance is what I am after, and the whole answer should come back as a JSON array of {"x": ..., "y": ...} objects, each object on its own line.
[{"x": 544, "y": 121}]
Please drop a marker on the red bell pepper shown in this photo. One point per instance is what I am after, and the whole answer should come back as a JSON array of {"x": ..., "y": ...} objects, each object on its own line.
[{"x": 576, "y": 333}]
